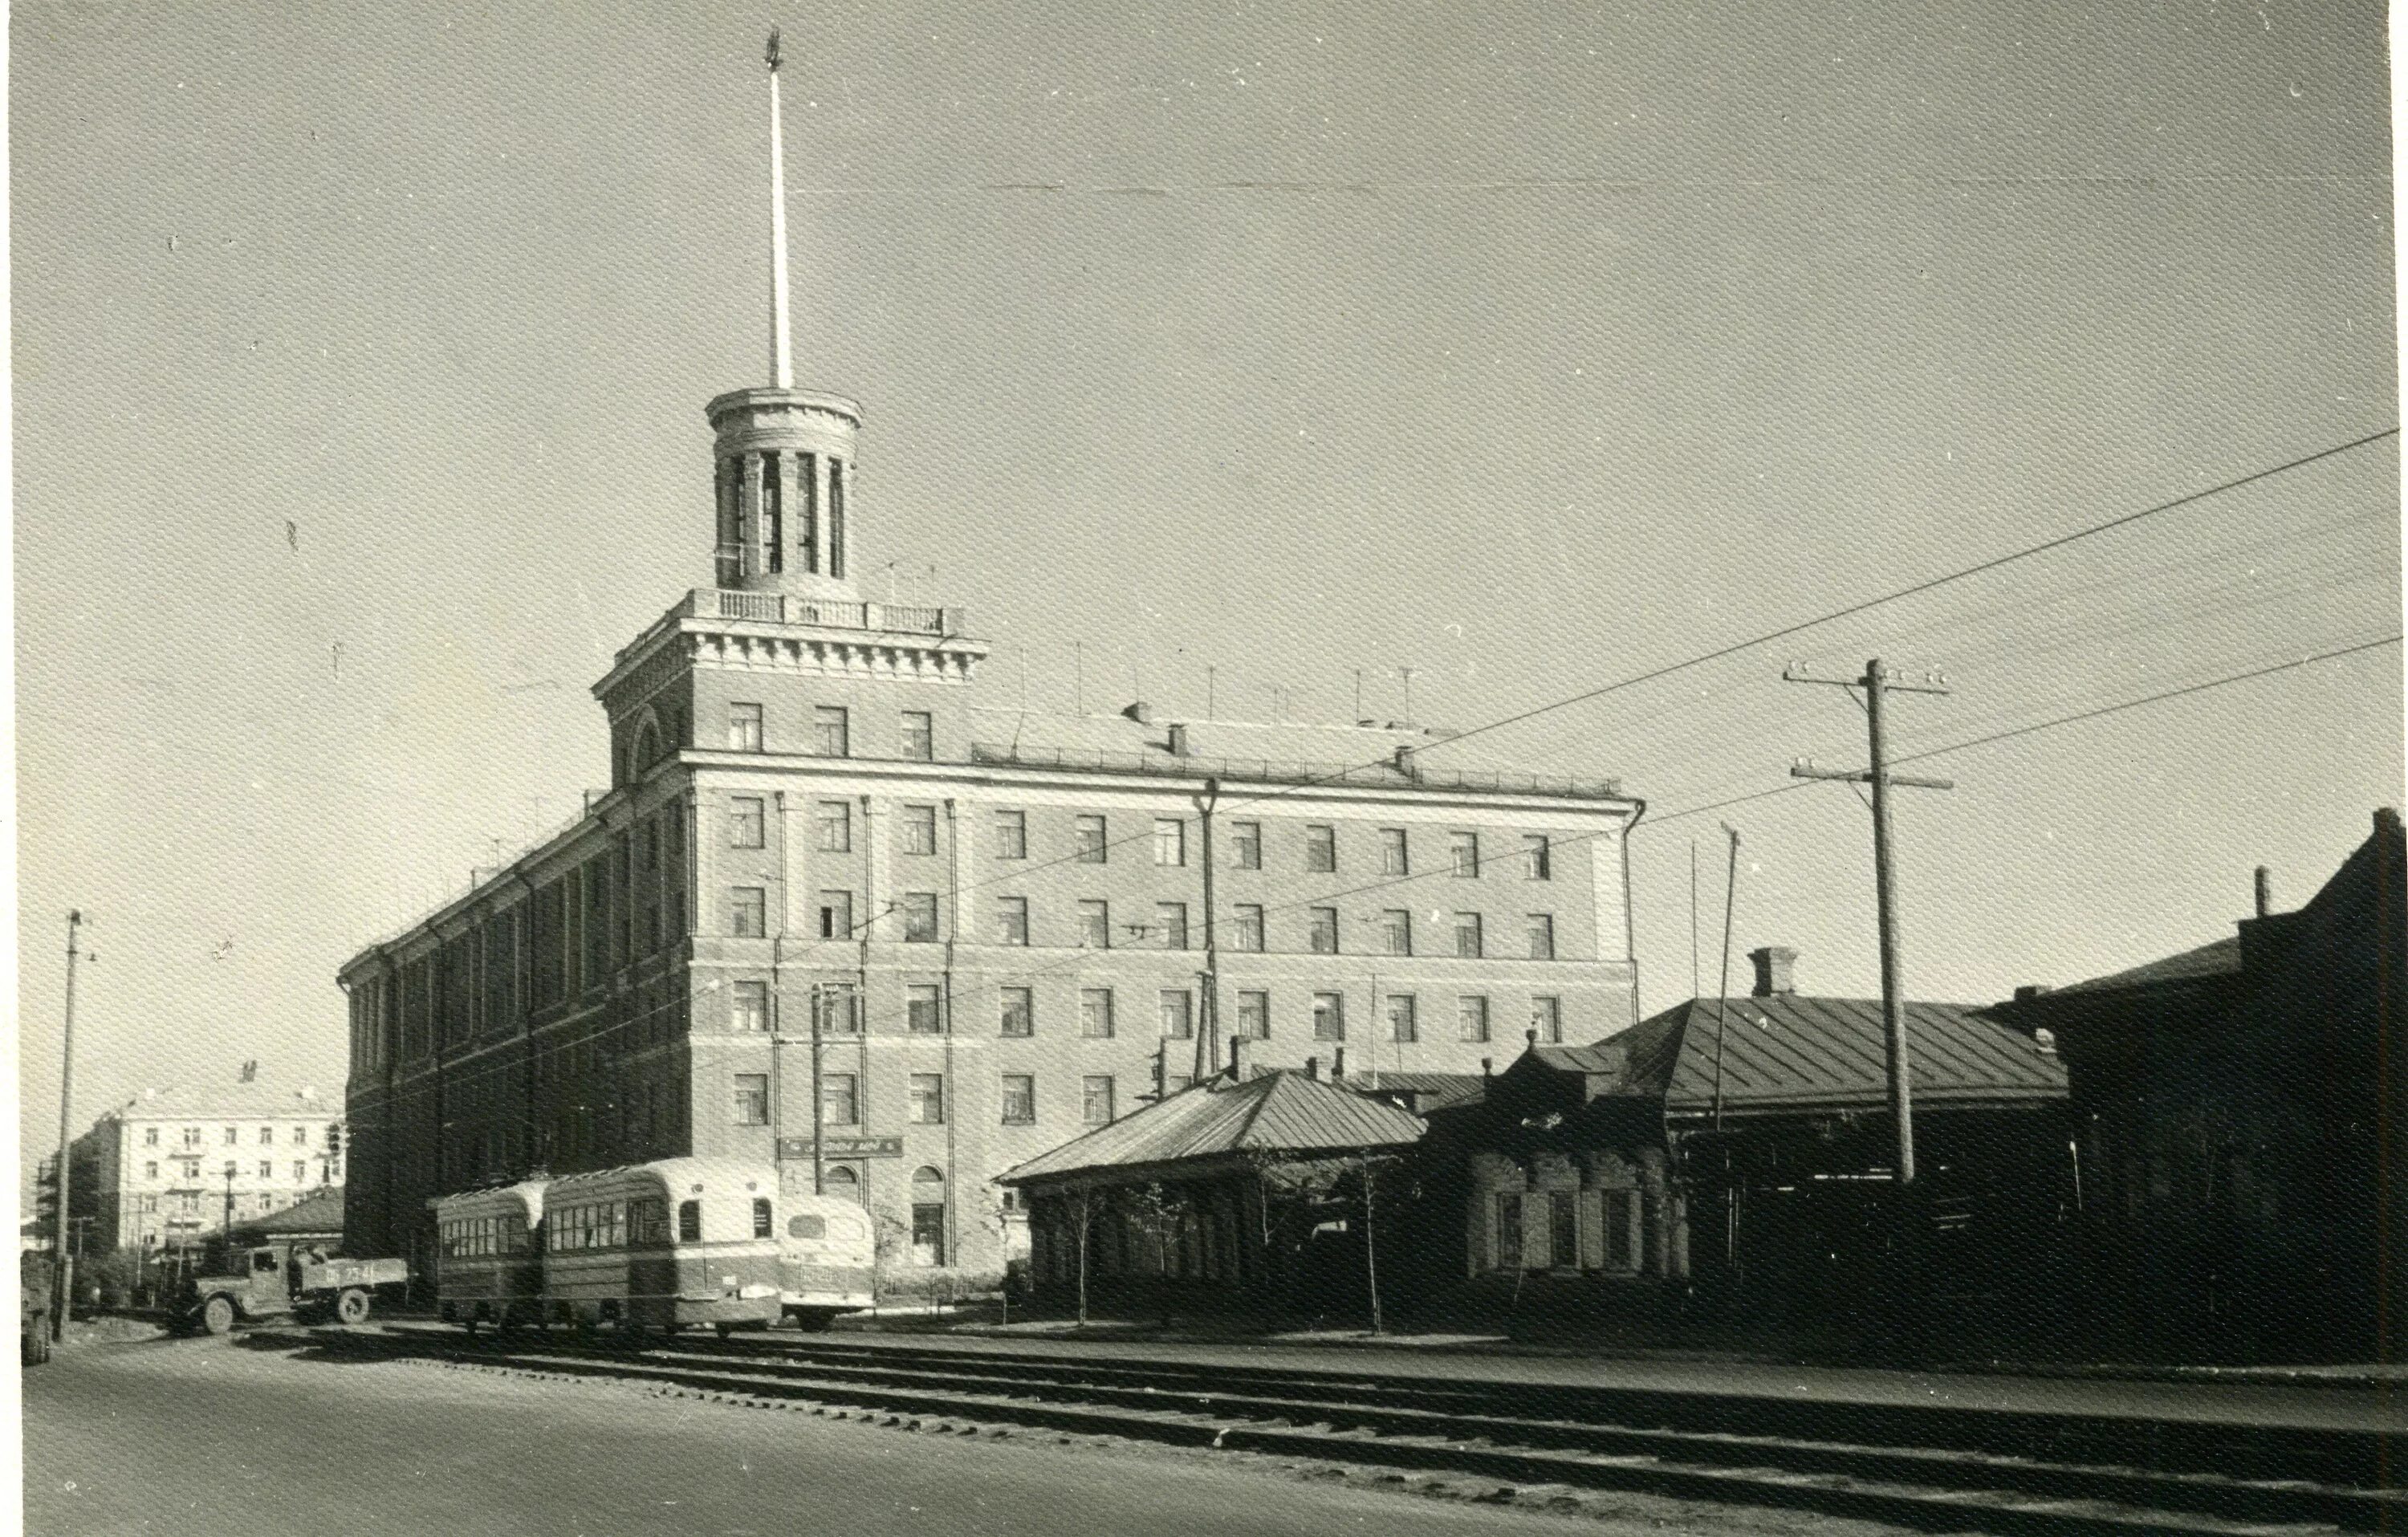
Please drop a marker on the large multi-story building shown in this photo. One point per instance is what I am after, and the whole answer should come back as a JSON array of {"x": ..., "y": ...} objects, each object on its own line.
[
  {"x": 840, "y": 912},
  {"x": 167, "y": 1166}
]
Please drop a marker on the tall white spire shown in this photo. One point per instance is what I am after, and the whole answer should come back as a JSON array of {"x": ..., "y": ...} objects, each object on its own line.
[{"x": 781, "y": 352}]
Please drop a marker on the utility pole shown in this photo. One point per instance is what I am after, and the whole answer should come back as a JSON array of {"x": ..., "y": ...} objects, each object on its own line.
[
  {"x": 66, "y": 1261},
  {"x": 1721, "y": 997},
  {"x": 1208, "y": 1027},
  {"x": 1877, "y": 682}
]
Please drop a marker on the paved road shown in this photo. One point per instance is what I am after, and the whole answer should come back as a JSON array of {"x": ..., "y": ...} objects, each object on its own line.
[{"x": 196, "y": 1437}]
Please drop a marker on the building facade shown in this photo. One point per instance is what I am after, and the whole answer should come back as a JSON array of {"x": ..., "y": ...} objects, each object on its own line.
[
  {"x": 166, "y": 1167},
  {"x": 842, "y": 911}
]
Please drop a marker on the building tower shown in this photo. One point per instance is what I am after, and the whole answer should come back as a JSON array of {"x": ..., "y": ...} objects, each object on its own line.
[{"x": 784, "y": 455}]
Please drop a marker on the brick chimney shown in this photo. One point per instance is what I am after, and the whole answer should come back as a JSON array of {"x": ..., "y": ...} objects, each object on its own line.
[
  {"x": 1775, "y": 965},
  {"x": 1241, "y": 1057},
  {"x": 1338, "y": 1064},
  {"x": 1177, "y": 731},
  {"x": 1313, "y": 1069}
]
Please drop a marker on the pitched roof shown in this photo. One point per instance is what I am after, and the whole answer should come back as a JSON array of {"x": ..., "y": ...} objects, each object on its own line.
[
  {"x": 230, "y": 1100},
  {"x": 318, "y": 1212},
  {"x": 1275, "y": 1113},
  {"x": 1788, "y": 1053},
  {"x": 2220, "y": 958}
]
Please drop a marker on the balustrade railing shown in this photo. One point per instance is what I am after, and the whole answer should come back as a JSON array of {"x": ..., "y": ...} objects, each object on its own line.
[{"x": 1284, "y": 772}]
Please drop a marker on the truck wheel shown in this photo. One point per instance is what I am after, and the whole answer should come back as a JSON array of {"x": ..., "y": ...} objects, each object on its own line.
[
  {"x": 352, "y": 1306},
  {"x": 216, "y": 1317}
]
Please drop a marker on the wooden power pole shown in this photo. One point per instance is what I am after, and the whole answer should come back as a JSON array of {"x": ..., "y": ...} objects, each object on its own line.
[{"x": 1877, "y": 682}]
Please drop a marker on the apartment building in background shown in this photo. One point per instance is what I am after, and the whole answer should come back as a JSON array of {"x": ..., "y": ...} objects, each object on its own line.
[{"x": 166, "y": 1167}]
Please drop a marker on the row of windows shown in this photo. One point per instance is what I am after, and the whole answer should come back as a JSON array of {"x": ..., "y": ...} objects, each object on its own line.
[
  {"x": 768, "y": 474},
  {"x": 641, "y": 1223},
  {"x": 1090, "y": 840},
  {"x": 233, "y": 1136},
  {"x": 831, "y": 735},
  {"x": 841, "y": 1098},
  {"x": 191, "y": 1169},
  {"x": 1543, "y": 1231},
  {"x": 748, "y": 917},
  {"x": 469, "y": 1236},
  {"x": 1016, "y": 1014}
]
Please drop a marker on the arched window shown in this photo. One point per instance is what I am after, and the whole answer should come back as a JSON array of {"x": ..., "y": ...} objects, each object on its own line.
[
  {"x": 928, "y": 1215},
  {"x": 648, "y": 745},
  {"x": 844, "y": 1182}
]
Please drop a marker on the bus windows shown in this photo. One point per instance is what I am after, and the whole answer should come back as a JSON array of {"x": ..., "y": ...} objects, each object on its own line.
[
  {"x": 762, "y": 1219},
  {"x": 806, "y": 1227},
  {"x": 689, "y": 1222}
]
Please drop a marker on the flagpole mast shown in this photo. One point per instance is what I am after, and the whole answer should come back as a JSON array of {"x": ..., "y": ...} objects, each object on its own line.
[{"x": 781, "y": 355}]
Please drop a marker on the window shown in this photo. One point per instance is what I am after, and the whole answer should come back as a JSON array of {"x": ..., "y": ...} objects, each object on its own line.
[
  {"x": 1088, "y": 832},
  {"x": 836, "y": 915},
  {"x": 1541, "y": 928},
  {"x": 928, "y": 1099},
  {"x": 831, "y": 732},
  {"x": 1396, "y": 931},
  {"x": 918, "y": 830},
  {"x": 150, "y": 1170},
  {"x": 1563, "y": 1230},
  {"x": 744, "y": 823},
  {"x": 835, "y": 822},
  {"x": 689, "y": 1222},
  {"x": 1178, "y": 1014},
  {"x": 1463, "y": 856},
  {"x": 191, "y": 1136},
  {"x": 764, "y": 1220},
  {"x": 232, "y": 1136},
  {"x": 1547, "y": 1020},
  {"x": 1246, "y": 846},
  {"x": 1508, "y": 1231},
  {"x": 1471, "y": 1019},
  {"x": 1011, "y": 920},
  {"x": 1096, "y": 1012},
  {"x": 1019, "y": 1011},
  {"x": 923, "y": 1010},
  {"x": 844, "y": 1184},
  {"x": 751, "y": 1099},
  {"x": 1170, "y": 921},
  {"x": 1012, "y": 835},
  {"x": 919, "y": 918},
  {"x": 919, "y": 735},
  {"x": 928, "y": 1217},
  {"x": 1467, "y": 935},
  {"x": 1096, "y": 925},
  {"x": 150, "y": 1136},
  {"x": 1320, "y": 849},
  {"x": 1328, "y": 1016},
  {"x": 1019, "y": 1099},
  {"x": 1617, "y": 1229},
  {"x": 1246, "y": 926},
  {"x": 1393, "y": 858},
  {"x": 1169, "y": 841},
  {"x": 744, "y": 728},
  {"x": 267, "y": 1169},
  {"x": 748, "y": 913},
  {"x": 837, "y": 1106},
  {"x": 748, "y": 1007},
  {"x": 1323, "y": 938},
  {"x": 1096, "y": 1099},
  {"x": 300, "y": 1135},
  {"x": 268, "y": 1136},
  {"x": 1253, "y": 1016},
  {"x": 1402, "y": 1024},
  {"x": 1537, "y": 859},
  {"x": 300, "y": 1172}
]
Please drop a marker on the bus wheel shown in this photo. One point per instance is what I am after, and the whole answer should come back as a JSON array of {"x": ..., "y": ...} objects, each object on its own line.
[
  {"x": 352, "y": 1306},
  {"x": 216, "y": 1317}
]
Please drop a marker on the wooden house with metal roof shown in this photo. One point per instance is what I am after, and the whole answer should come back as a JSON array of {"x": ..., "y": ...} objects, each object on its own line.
[{"x": 1247, "y": 1190}]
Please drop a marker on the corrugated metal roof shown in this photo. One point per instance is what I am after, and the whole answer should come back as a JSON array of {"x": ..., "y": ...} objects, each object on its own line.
[
  {"x": 1275, "y": 1113},
  {"x": 1788, "y": 1051}
]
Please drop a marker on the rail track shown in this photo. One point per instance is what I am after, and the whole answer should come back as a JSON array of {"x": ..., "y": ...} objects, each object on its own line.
[{"x": 1933, "y": 1468}]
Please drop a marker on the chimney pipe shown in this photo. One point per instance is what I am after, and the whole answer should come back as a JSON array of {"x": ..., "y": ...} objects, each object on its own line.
[
  {"x": 1336, "y": 1063},
  {"x": 1313, "y": 1069},
  {"x": 1487, "y": 1067},
  {"x": 1775, "y": 965},
  {"x": 1530, "y": 1039},
  {"x": 1178, "y": 732},
  {"x": 2265, "y": 883},
  {"x": 1241, "y": 1057},
  {"x": 2030, "y": 991}
]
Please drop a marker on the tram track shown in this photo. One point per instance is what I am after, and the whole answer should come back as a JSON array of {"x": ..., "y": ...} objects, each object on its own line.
[{"x": 1940, "y": 1469}]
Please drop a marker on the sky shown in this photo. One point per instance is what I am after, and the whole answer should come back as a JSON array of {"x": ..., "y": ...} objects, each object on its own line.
[{"x": 359, "y": 357}]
